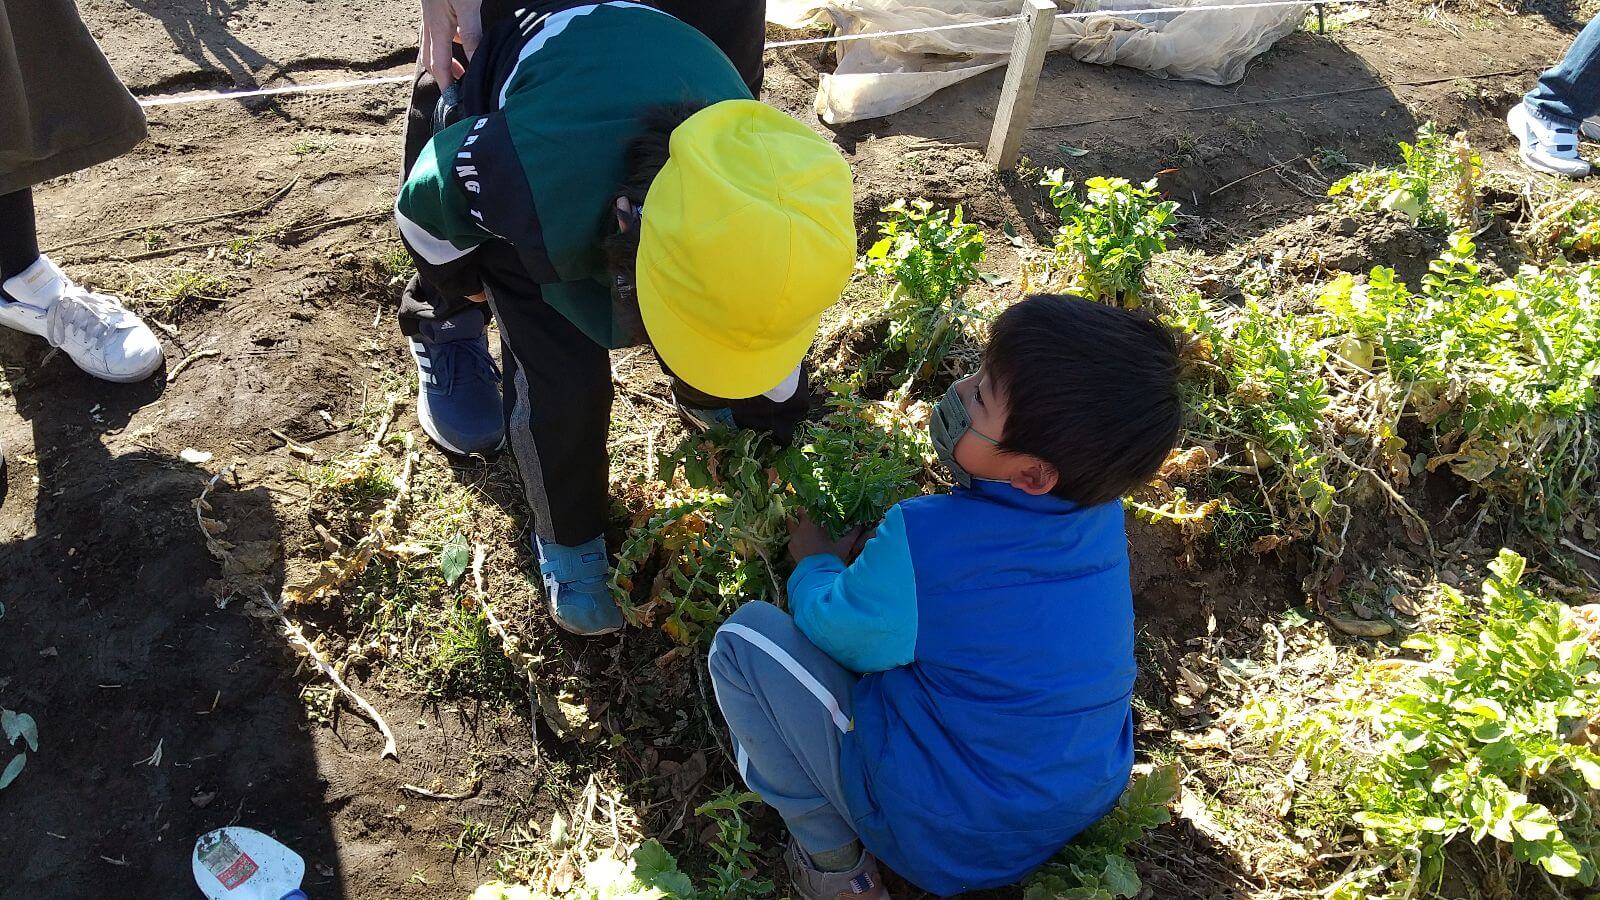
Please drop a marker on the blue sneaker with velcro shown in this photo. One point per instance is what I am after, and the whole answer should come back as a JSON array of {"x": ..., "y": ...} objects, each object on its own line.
[
  {"x": 577, "y": 585},
  {"x": 458, "y": 384}
]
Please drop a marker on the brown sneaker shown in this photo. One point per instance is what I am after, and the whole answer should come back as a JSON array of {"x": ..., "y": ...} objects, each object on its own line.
[{"x": 860, "y": 883}]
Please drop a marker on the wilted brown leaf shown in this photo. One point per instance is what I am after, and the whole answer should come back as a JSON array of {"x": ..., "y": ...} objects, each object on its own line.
[
  {"x": 1360, "y": 627},
  {"x": 1211, "y": 739},
  {"x": 1197, "y": 686},
  {"x": 565, "y": 875},
  {"x": 566, "y": 715},
  {"x": 1270, "y": 542},
  {"x": 1181, "y": 464}
]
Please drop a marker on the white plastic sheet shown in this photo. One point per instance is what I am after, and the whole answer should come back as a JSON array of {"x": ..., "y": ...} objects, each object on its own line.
[{"x": 879, "y": 76}]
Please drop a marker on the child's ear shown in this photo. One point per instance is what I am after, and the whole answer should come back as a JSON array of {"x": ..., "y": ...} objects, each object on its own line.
[
  {"x": 624, "y": 212},
  {"x": 1036, "y": 477}
]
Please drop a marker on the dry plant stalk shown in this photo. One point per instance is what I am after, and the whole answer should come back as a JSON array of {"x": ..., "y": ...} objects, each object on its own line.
[
  {"x": 245, "y": 568},
  {"x": 308, "y": 649},
  {"x": 1466, "y": 192},
  {"x": 189, "y": 360},
  {"x": 272, "y": 609},
  {"x": 338, "y": 571},
  {"x": 383, "y": 426},
  {"x": 527, "y": 663},
  {"x": 571, "y": 840},
  {"x": 467, "y": 794},
  {"x": 566, "y": 715}
]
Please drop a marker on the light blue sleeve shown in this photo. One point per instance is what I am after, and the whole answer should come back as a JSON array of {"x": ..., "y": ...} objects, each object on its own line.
[{"x": 863, "y": 615}]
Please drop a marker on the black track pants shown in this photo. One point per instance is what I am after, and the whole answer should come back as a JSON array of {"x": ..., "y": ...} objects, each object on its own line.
[{"x": 19, "y": 240}]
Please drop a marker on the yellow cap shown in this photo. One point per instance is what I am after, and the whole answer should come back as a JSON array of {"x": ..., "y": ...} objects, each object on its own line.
[{"x": 748, "y": 234}]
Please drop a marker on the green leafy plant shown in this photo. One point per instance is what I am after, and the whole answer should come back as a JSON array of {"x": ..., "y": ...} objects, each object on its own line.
[
  {"x": 702, "y": 578},
  {"x": 856, "y": 463},
  {"x": 930, "y": 257},
  {"x": 1434, "y": 185},
  {"x": 1257, "y": 388},
  {"x": 655, "y": 868},
  {"x": 1503, "y": 373},
  {"x": 1300, "y": 415},
  {"x": 716, "y": 539},
  {"x": 1109, "y": 236},
  {"x": 465, "y": 658},
  {"x": 1474, "y": 740},
  {"x": 453, "y": 559},
  {"x": 1095, "y": 865},
  {"x": 714, "y": 542},
  {"x": 17, "y": 726},
  {"x": 177, "y": 292},
  {"x": 395, "y": 265},
  {"x": 730, "y": 874}
]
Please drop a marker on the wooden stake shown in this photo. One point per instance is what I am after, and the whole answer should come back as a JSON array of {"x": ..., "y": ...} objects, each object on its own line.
[{"x": 1022, "y": 82}]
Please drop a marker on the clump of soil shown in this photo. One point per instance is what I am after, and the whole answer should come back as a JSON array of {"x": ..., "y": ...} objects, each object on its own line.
[{"x": 1329, "y": 242}]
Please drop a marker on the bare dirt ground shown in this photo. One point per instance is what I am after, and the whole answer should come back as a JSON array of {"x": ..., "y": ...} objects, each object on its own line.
[{"x": 163, "y": 716}]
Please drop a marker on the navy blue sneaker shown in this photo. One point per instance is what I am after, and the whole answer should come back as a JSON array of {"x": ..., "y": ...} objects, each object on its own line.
[
  {"x": 577, "y": 585},
  {"x": 458, "y": 385}
]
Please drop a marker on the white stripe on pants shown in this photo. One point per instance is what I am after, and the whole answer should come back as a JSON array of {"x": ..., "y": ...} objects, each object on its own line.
[{"x": 788, "y": 707}]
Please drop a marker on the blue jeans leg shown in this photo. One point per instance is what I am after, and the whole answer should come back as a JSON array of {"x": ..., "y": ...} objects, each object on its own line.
[
  {"x": 1570, "y": 92},
  {"x": 788, "y": 707}
]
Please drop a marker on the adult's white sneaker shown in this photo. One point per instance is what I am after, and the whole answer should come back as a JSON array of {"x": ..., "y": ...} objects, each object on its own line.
[
  {"x": 1547, "y": 146},
  {"x": 100, "y": 335}
]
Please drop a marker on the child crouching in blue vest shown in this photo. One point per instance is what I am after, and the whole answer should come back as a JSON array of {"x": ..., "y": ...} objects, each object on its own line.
[{"x": 956, "y": 701}]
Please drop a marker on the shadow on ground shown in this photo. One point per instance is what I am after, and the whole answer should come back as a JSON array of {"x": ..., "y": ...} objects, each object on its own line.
[
  {"x": 160, "y": 716},
  {"x": 199, "y": 33}
]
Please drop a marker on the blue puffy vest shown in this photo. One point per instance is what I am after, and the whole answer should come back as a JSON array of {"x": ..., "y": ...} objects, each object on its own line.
[{"x": 1012, "y": 730}]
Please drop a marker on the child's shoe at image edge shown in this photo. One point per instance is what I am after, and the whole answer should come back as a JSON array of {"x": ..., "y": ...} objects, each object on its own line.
[
  {"x": 1546, "y": 146},
  {"x": 95, "y": 330},
  {"x": 861, "y": 882}
]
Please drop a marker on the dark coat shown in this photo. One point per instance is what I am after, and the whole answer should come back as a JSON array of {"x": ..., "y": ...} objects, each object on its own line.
[{"x": 62, "y": 108}]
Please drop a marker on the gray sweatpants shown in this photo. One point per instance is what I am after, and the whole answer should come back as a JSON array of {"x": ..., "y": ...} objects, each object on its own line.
[{"x": 788, "y": 705}]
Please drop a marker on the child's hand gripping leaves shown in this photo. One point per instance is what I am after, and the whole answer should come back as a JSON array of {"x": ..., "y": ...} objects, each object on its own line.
[{"x": 807, "y": 539}]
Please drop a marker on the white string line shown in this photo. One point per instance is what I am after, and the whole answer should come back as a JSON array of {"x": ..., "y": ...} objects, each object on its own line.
[
  {"x": 270, "y": 92},
  {"x": 1120, "y": 13},
  {"x": 359, "y": 83},
  {"x": 801, "y": 42}
]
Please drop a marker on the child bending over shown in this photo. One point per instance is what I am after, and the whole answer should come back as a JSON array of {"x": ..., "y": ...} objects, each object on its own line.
[{"x": 956, "y": 701}]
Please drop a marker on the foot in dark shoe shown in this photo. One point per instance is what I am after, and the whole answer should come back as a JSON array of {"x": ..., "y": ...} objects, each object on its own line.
[
  {"x": 807, "y": 882},
  {"x": 577, "y": 585},
  {"x": 700, "y": 421},
  {"x": 458, "y": 385}
]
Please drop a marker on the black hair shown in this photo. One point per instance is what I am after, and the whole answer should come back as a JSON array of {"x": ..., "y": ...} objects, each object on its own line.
[
  {"x": 646, "y": 155},
  {"x": 1090, "y": 389}
]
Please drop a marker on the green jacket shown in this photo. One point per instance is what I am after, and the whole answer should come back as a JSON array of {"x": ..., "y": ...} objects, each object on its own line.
[{"x": 553, "y": 100}]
